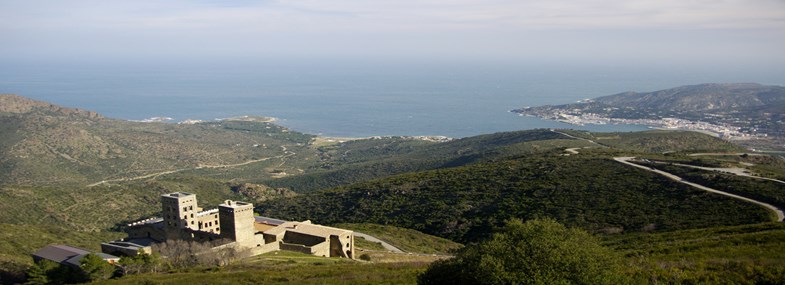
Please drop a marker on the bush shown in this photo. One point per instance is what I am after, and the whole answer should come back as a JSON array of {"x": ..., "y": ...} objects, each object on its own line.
[
  {"x": 535, "y": 252},
  {"x": 96, "y": 268}
]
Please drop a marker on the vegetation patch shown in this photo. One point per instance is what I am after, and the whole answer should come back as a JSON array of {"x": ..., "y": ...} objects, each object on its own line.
[{"x": 466, "y": 203}]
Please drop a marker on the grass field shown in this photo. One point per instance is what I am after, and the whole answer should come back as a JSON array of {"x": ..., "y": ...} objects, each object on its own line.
[
  {"x": 289, "y": 268},
  {"x": 405, "y": 239}
]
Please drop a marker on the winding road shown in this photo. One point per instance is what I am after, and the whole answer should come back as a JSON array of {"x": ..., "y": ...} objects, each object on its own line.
[
  {"x": 777, "y": 211},
  {"x": 286, "y": 153},
  {"x": 384, "y": 244},
  {"x": 734, "y": 171}
]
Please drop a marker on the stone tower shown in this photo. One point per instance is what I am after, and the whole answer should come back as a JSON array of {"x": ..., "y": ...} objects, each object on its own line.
[
  {"x": 179, "y": 211},
  {"x": 237, "y": 222}
]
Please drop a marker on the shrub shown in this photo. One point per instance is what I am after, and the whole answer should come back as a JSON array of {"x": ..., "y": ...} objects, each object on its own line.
[{"x": 535, "y": 252}]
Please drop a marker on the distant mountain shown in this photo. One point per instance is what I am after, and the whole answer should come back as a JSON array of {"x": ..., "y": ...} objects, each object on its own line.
[
  {"x": 749, "y": 112},
  {"x": 703, "y": 97},
  {"x": 15, "y": 104}
]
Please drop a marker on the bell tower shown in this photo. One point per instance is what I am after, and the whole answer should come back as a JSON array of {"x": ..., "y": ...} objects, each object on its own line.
[{"x": 179, "y": 210}]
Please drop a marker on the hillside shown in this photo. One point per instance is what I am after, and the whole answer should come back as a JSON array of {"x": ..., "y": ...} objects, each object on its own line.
[
  {"x": 43, "y": 144},
  {"x": 358, "y": 161},
  {"x": 703, "y": 98},
  {"x": 466, "y": 203},
  {"x": 746, "y": 254},
  {"x": 15, "y": 104}
]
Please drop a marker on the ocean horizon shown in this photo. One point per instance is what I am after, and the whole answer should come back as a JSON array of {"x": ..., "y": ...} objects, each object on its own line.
[{"x": 342, "y": 99}]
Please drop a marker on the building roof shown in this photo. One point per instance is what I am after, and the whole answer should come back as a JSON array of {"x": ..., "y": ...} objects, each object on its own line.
[
  {"x": 269, "y": 221},
  {"x": 208, "y": 212},
  {"x": 178, "y": 195},
  {"x": 64, "y": 254},
  {"x": 307, "y": 228},
  {"x": 235, "y": 204},
  {"x": 152, "y": 220},
  {"x": 59, "y": 253},
  {"x": 132, "y": 244}
]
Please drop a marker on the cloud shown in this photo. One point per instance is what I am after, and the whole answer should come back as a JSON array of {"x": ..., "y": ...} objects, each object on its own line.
[
  {"x": 403, "y": 14},
  {"x": 457, "y": 27}
]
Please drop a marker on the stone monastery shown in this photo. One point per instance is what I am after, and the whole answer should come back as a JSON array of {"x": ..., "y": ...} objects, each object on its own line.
[{"x": 234, "y": 225}]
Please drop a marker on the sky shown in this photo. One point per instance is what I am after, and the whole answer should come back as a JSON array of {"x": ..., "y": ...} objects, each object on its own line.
[{"x": 721, "y": 32}]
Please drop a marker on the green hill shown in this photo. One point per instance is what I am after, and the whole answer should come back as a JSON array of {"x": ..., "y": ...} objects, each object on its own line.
[
  {"x": 466, "y": 203},
  {"x": 353, "y": 162},
  {"x": 745, "y": 254}
]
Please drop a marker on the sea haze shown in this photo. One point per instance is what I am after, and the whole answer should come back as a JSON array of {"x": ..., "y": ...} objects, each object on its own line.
[{"x": 342, "y": 99}]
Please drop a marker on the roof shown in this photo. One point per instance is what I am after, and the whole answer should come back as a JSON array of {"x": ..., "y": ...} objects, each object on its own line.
[
  {"x": 59, "y": 253},
  {"x": 235, "y": 204},
  {"x": 178, "y": 195},
  {"x": 208, "y": 212},
  {"x": 269, "y": 221},
  {"x": 141, "y": 241},
  {"x": 152, "y": 220},
  {"x": 307, "y": 228},
  {"x": 134, "y": 244}
]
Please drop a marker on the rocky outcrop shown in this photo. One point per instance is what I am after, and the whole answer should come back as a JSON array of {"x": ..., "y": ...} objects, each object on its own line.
[{"x": 10, "y": 103}]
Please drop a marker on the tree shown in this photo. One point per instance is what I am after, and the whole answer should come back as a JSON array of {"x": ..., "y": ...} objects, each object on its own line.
[
  {"x": 49, "y": 272},
  {"x": 535, "y": 252},
  {"x": 180, "y": 254},
  {"x": 96, "y": 268},
  {"x": 141, "y": 263},
  {"x": 39, "y": 273}
]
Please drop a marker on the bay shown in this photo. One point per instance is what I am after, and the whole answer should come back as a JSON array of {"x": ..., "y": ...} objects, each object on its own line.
[{"x": 340, "y": 99}]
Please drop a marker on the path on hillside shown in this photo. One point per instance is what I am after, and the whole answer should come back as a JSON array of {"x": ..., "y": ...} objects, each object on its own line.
[
  {"x": 574, "y": 137},
  {"x": 286, "y": 154},
  {"x": 725, "y": 153},
  {"x": 729, "y": 170},
  {"x": 383, "y": 243},
  {"x": 574, "y": 150},
  {"x": 626, "y": 160}
]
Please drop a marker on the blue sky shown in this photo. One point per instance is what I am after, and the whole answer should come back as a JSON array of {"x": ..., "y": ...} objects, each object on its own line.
[{"x": 646, "y": 31}]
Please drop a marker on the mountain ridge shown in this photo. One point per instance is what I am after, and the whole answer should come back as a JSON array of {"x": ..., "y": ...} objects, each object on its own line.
[
  {"x": 15, "y": 104},
  {"x": 751, "y": 114},
  {"x": 700, "y": 97}
]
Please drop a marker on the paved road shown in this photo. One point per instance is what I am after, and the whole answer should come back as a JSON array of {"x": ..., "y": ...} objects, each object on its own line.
[
  {"x": 733, "y": 170},
  {"x": 374, "y": 239},
  {"x": 725, "y": 153},
  {"x": 626, "y": 160}
]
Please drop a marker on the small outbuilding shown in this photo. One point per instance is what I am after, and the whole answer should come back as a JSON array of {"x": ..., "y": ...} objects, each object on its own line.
[{"x": 69, "y": 255}]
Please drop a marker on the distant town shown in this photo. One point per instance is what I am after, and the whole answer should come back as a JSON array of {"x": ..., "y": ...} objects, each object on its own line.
[{"x": 580, "y": 118}]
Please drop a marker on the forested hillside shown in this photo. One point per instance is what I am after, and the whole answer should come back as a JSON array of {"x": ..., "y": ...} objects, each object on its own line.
[{"x": 465, "y": 203}]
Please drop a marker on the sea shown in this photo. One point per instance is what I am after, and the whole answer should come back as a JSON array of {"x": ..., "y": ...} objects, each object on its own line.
[{"x": 347, "y": 98}]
